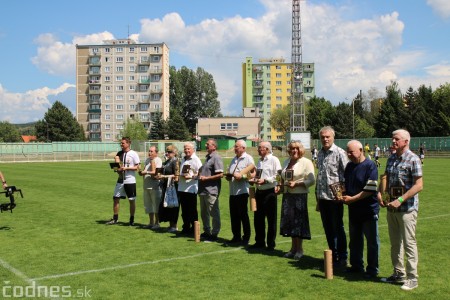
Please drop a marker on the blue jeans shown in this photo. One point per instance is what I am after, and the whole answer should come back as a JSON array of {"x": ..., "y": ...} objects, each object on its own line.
[
  {"x": 358, "y": 230},
  {"x": 332, "y": 213}
]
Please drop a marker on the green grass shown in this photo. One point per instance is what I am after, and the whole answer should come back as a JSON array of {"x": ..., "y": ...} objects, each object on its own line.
[{"x": 58, "y": 230}]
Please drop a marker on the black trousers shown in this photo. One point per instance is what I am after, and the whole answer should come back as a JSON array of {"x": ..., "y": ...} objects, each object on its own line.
[
  {"x": 238, "y": 215},
  {"x": 189, "y": 213},
  {"x": 266, "y": 207}
]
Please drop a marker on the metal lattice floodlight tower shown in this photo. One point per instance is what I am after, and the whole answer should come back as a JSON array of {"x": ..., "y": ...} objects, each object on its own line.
[{"x": 297, "y": 117}]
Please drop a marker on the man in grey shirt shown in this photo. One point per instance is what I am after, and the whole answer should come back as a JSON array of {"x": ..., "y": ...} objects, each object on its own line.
[{"x": 209, "y": 184}]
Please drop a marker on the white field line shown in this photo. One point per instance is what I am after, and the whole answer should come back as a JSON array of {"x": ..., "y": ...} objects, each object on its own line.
[{"x": 24, "y": 277}]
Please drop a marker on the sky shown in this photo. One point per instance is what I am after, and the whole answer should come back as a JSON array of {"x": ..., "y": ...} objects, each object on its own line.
[{"x": 354, "y": 44}]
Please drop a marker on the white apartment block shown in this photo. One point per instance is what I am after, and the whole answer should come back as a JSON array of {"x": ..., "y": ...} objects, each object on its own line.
[{"x": 119, "y": 80}]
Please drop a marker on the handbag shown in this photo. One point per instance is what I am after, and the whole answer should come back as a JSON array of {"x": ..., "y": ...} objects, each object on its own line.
[{"x": 170, "y": 197}]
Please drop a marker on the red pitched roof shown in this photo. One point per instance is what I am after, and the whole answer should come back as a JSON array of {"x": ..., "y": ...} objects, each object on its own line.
[{"x": 29, "y": 138}]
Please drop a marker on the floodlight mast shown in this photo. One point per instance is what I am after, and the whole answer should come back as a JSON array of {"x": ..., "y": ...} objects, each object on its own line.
[{"x": 298, "y": 119}]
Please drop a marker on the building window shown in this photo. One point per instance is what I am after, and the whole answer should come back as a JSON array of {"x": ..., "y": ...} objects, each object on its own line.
[
  {"x": 119, "y": 97},
  {"x": 278, "y": 75},
  {"x": 107, "y": 78},
  {"x": 119, "y": 69},
  {"x": 119, "y": 107},
  {"x": 132, "y": 88},
  {"x": 278, "y": 91},
  {"x": 119, "y": 49},
  {"x": 143, "y": 68},
  {"x": 107, "y": 107},
  {"x": 107, "y": 126},
  {"x": 222, "y": 126},
  {"x": 144, "y": 97},
  {"x": 131, "y": 59},
  {"x": 119, "y": 78},
  {"x": 107, "y": 50},
  {"x": 95, "y": 50},
  {"x": 119, "y": 59},
  {"x": 131, "y": 78},
  {"x": 119, "y": 117},
  {"x": 278, "y": 83},
  {"x": 119, "y": 126},
  {"x": 144, "y": 106},
  {"x": 278, "y": 67},
  {"x": 155, "y": 77},
  {"x": 156, "y": 106},
  {"x": 132, "y": 106},
  {"x": 143, "y": 49},
  {"x": 279, "y": 98},
  {"x": 156, "y": 97},
  {"x": 279, "y": 105},
  {"x": 119, "y": 87},
  {"x": 131, "y": 49},
  {"x": 131, "y": 97},
  {"x": 107, "y": 136},
  {"x": 107, "y": 69},
  {"x": 156, "y": 49},
  {"x": 107, "y": 87},
  {"x": 132, "y": 68},
  {"x": 107, "y": 117}
]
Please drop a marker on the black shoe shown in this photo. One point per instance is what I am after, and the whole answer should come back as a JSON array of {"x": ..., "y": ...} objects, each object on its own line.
[
  {"x": 205, "y": 235},
  {"x": 370, "y": 275},
  {"x": 257, "y": 246},
  {"x": 354, "y": 270},
  {"x": 244, "y": 243},
  {"x": 270, "y": 248},
  {"x": 233, "y": 242},
  {"x": 212, "y": 238}
]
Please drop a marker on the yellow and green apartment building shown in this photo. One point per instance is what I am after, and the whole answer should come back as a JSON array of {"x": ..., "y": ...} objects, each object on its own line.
[{"x": 267, "y": 85}]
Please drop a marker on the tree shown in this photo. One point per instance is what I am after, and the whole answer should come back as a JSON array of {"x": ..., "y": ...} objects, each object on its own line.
[
  {"x": 9, "y": 133},
  {"x": 392, "y": 112},
  {"x": 176, "y": 128},
  {"x": 59, "y": 125},
  {"x": 343, "y": 121},
  {"x": 193, "y": 95},
  {"x": 363, "y": 129},
  {"x": 279, "y": 119},
  {"x": 441, "y": 111},
  {"x": 158, "y": 129},
  {"x": 134, "y": 130},
  {"x": 319, "y": 113}
]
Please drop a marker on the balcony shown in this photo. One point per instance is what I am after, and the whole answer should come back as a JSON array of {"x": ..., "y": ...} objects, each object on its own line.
[
  {"x": 94, "y": 110},
  {"x": 156, "y": 91},
  {"x": 156, "y": 71},
  {"x": 94, "y": 81},
  {"x": 94, "y": 62},
  {"x": 257, "y": 69},
  {"x": 144, "y": 62},
  {"x": 95, "y": 92},
  {"x": 144, "y": 81}
]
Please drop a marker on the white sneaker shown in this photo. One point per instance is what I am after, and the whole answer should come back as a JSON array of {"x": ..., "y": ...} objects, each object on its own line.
[
  {"x": 410, "y": 284},
  {"x": 298, "y": 255},
  {"x": 156, "y": 226}
]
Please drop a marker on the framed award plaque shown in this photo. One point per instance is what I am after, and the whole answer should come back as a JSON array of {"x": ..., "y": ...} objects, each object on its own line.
[
  {"x": 258, "y": 173},
  {"x": 338, "y": 190},
  {"x": 289, "y": 175}
]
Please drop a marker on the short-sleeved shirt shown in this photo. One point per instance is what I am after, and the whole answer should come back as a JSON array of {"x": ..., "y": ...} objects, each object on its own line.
[
  {"x": 149, "y": 181},
  {"x": 401, "y": 172},
  {"x": 331, "y": 165},
  {"x": 270, "y": 166},
  {"x": 128, "y": 159},
  {"x": 238, "y": 187},
  {"x": 190, "y": 185},
  {"x": 362, "y": 177},
  {"x": 213, "y": 165}
]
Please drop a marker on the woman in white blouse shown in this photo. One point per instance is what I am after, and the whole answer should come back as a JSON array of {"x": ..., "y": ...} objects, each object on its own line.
[{"x": 294, "y": 208}]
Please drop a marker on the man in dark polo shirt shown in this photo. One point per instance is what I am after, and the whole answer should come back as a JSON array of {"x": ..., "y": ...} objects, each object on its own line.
[{"x": 209, "y": 184}]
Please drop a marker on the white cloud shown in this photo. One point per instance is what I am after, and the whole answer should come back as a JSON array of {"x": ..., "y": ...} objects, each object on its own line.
[
  {"x": 29, "y": 106},
  {"x": 441, "y": 7},
  {"x": 57, "y": 58}
]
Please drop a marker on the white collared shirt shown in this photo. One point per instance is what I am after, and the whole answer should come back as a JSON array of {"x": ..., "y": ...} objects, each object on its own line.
[{"x": 269, "y": 166}]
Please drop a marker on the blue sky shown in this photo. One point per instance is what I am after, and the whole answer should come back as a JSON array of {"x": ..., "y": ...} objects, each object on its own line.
[{"x": 355, "y": 44}]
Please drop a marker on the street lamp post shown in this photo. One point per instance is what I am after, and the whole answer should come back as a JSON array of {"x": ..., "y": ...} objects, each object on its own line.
[{"x": 353, "y": 116}]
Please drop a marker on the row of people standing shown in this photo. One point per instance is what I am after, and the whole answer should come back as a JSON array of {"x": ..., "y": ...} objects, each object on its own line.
[{"x": 360, "y": 177}]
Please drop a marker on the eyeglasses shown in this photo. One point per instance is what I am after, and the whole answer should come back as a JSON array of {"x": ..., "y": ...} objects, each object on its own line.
[{"x": 169, "y": 151}]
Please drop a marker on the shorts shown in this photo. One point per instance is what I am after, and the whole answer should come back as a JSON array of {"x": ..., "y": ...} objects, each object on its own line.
[
  {"x": 124, "y": 190},
  {"x": 422, "y": 156}
]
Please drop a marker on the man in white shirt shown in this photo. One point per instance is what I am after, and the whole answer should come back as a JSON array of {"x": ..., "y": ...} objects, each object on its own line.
[
  {"x": 188, "y": 188},
  {"x": 266, "y": 197},
  {"x": 126, "y": 183}
]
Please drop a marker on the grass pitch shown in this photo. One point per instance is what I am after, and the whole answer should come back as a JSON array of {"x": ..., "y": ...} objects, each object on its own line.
[{"x": 56, "y": 240}]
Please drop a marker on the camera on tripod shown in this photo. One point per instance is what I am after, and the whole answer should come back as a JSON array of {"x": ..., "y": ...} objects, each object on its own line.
[{"x": 9, "y": 193}]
